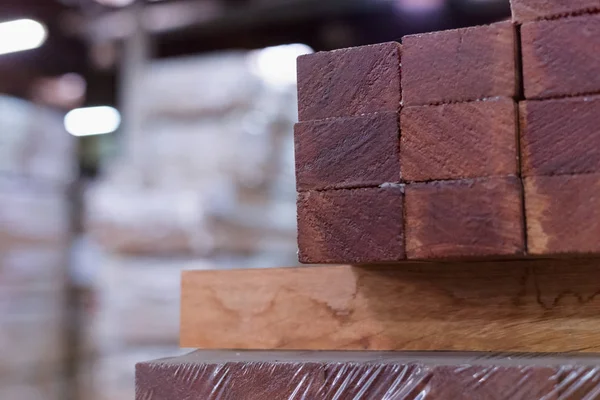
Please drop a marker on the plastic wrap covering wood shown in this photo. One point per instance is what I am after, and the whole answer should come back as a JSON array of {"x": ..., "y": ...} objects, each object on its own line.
[
  {"x": 367, "y": 375},
  {"x": 34, "y": 143},
  {"x": 215, "y": 169}
]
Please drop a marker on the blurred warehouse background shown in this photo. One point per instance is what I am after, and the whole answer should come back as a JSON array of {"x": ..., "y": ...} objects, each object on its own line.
[{"x": 140, "y": 138}]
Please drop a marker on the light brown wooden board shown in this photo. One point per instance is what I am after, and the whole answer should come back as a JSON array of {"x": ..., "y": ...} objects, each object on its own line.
[{"x": 518, "y": 306}]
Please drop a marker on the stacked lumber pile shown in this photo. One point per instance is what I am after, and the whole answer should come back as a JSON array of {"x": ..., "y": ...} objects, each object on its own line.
[
  {"x": 36, "y": 168},
  {"x": 474, "y": 150}
]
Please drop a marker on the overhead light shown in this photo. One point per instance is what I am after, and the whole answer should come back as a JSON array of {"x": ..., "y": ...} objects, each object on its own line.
[
  {"x": 277, "y": 65},
  {"x": 20, "y": 35},
  {"x": 116, "y": 3},
  {"x": 92, "y": 121}
]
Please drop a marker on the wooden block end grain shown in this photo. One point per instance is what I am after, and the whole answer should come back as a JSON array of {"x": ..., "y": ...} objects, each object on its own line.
[
  {"x": 563, "y": 214},
  {"x": 457, "y": 141},
  {"x": 357, "y": 226},
  {"x": 459, "y": 65},
  {"x": 560, "y": 136},
  {"x": 468, "y": 218},
  {"x": 349, "y": 82},
  {"x": 561, "y": 57},
  {"x": 531, "y": 10},
  {"x": 347, "y": 152}
]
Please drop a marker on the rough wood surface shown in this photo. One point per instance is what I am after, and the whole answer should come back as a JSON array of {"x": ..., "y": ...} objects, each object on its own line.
[
  {"x": 347, "y": 152},
  {"x": 469, "y": 218},
  {"x": 459, "y": 65},
  {"x": 560, "y": 136},
  {"x": 531, "y": 10},
  {"x": 520, "y": 306},
  {"x": 457, "y": 141},
  {"x": 355, "y": 226},
  {"x": 563, "y": 214},
  {"x": 561, "y": 57},
  {"x": 280, "y": 375},
  {"x": 349, "y": 82}
]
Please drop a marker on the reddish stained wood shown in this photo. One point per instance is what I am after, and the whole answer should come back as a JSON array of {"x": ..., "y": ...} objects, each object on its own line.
[
  {"x": 287, "y": 375},
  {"x": 348, "y": 152},
  {"x": 560, "y": 136},
  {"x": 348, "y": 82},
  {"x": 457, "y": 141},
  {"x": 469, "y": 218},
  {"x": 561, "y": 57},
  {"x": 530, "y": 10},
  {"x": 563, "y": 214},
  {"x": 459, "y": 65},
  {"x": 355, "y": 226}
]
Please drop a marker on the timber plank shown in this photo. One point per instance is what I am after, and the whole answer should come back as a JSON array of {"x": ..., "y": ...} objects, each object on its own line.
[
  {"x": 457, "y": 141},
  {"x": 459, "y": 65},
  {"x": 561, "y": 57},
  {"x": 365, "y": 375},
  {"x": 349, "y": 82},
  {"x": 531, "y": 10},
  {"x": 518, "y": 306}
]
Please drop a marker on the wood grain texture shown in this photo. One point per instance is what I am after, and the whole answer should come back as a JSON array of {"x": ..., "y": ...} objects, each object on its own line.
[
  {"x": 561, "y": 57},
  {"x": 531, "y": 10},
  {"x": 560, "y": 136},
  {"x": 459, "y": 65},
  {"x": 519, "y": 306},
  {"x": 348, "y": 82},
  {"x": 469, "y": 218},
  {"x": 348, "y": 152},
  {"x": 457, "y": 141},
  {"x": 563, "y": 214},
  {"x": 288, "y": 375},
  {"x": 355, "y": 226}
]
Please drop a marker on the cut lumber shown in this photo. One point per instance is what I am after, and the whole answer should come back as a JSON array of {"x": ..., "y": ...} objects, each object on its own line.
[
  {"x": 467, "y": 218},
  {"x": 561, "y": 57},
  {"x": 357, "y": 226},
  {"x": 348, "y": 152},
  {"x": 348, "y": 82},
  {"x": 518, "y": 306},
  {"x": 459, "y": 65},
  {"x": 531, "y": 10},
  {"x": 365, "y": 375},
  {"x": 560, "y": 136},
  {"x": 458, "y": 141},
  {"x": 563, "y": 214}
]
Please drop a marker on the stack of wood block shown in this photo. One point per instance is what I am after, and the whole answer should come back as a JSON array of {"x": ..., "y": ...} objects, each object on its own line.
[
  {"x": 474, "y": 150},
  {"x": 454, "y": 144}
]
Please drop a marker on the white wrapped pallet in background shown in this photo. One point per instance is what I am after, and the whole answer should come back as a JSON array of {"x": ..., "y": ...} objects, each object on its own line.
[
  {"x": 34, "y": 144},
  {"x": 36, "y": 166},
  {"x": 210, "y": 185}
]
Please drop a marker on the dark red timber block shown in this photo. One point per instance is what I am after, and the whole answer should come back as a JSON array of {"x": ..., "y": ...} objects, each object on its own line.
[
  {"x": 460, "y": 65},
  {"x": 348, "y": 152},
  {"x": 563, "y": 214},
  {"x": 561, "y": 57},
  {"x": 353, "y": 226},
  {"x": 560, "y": 136},
  {"x": 458, "y": 141},
  {"x": 467, "y": 218},
  {"x": 493, "y": 382},
  {"x": 347, "y": 82},
  {"x": 240, "y": 375},
  {"x": 531, "y": 10}
]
